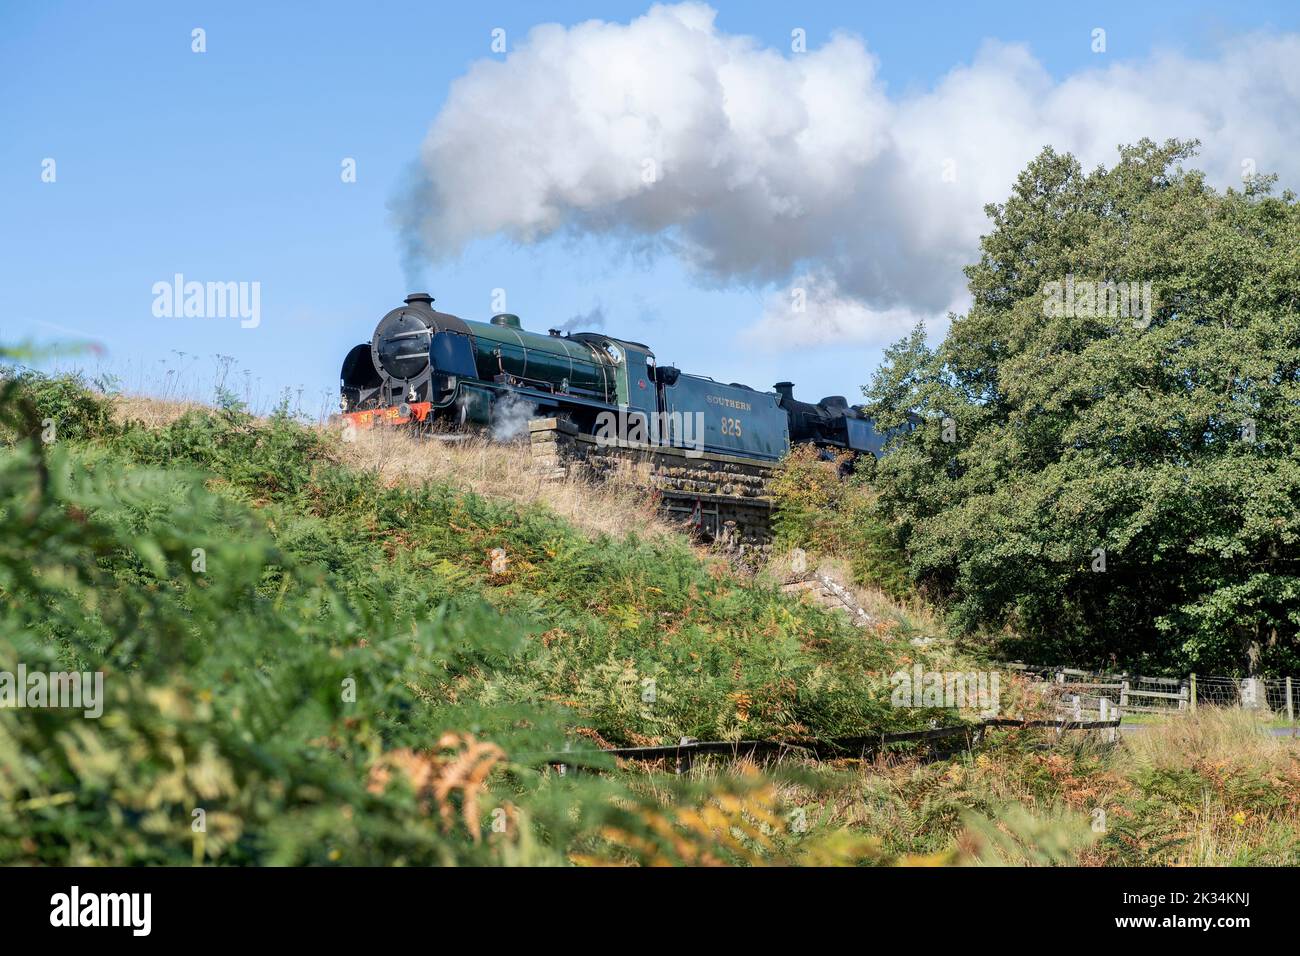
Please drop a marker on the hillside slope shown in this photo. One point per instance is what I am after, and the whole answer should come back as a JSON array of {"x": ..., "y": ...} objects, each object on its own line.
[{"x": 277, "y": 626}]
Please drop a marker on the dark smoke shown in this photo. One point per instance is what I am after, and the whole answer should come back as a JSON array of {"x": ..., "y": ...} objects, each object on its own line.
[
  {"x": 407, "y": 208},
  {"x": 595, "y": 319}
]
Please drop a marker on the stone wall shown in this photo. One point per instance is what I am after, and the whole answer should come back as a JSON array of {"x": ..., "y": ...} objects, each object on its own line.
[{"x": 726, "y": 497}]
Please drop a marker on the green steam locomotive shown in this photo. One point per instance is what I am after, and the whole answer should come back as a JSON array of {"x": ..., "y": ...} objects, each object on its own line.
[{"x": 424, "y": 365}]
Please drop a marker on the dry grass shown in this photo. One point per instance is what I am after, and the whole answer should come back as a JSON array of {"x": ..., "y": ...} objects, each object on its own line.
[
  {"x": 1246, "y": 810},
  {"x": 498, "y": 470},
  {"x": 1217, "y": 736},
  {"x": 504, "y": 471},
  {"x": 151, "y": 412}
]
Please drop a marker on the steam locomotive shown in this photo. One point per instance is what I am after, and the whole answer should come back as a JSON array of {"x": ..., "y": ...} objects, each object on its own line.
[{"x": 422, "y": 365}]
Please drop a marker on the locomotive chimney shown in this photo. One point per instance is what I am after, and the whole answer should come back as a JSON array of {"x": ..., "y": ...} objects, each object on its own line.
[
  {"x": 420, "y": 298},
  {"x": 785, "y": 390}
]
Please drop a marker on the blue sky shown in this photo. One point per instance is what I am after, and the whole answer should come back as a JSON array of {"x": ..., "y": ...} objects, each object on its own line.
[{"x": 225, "y": 166}]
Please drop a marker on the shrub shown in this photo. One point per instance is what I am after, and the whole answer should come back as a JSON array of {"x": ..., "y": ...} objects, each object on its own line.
[{"x": 820, "y": 509}]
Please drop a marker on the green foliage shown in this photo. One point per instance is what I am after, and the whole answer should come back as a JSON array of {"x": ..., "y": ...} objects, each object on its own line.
[
  {"x": 65, "y": 402},
  {"x": 330, "y": 671},
  {"x": 823, "y": 511},
  {"x": 1170, "y": 445},
  {"x": 341, "y": 679},
  {"x": 224, "y": 689}
]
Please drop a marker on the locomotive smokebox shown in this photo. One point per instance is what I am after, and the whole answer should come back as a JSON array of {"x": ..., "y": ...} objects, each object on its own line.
[{"x": 401, "y": 341}]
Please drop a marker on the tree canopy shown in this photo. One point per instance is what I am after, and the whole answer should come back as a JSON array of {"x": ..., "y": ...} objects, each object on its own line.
[{"x": 1107, "y": 470}]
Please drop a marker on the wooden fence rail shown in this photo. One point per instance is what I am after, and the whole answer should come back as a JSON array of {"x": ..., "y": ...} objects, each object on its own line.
[{"x": 682, "y": 754}]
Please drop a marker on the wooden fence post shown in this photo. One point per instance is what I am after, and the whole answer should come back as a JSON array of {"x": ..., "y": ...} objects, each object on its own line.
[
  {"x": 1106, "y": 716},
  {"x": 1290, "y": 710},
  {"x": 1192, "y": 702},
  {"x": 1123, "y": 695}
]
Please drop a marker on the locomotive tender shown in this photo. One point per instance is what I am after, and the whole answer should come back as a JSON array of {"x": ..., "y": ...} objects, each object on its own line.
[{"x": 423, "y": 365}]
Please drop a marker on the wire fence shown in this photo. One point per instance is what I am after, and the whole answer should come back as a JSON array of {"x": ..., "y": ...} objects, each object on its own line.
[{"x": 1080, "y": 692}]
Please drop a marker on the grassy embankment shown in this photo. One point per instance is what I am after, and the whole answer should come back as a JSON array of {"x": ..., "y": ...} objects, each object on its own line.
[
  {"x": 288, "y": 623},
  {"x": 305, "y": 647}
]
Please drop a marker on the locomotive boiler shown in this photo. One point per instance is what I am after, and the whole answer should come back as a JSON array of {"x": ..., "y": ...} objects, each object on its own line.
[{"x": 423, "y": 365}]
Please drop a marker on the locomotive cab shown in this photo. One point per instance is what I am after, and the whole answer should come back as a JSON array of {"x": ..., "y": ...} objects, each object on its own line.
[{"x": 358, "y": 379}]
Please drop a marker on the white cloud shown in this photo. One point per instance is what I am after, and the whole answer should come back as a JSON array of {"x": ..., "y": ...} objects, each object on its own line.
[
  {"x": 813, "y": 311},
  {"x": 759, "y": 167}
]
